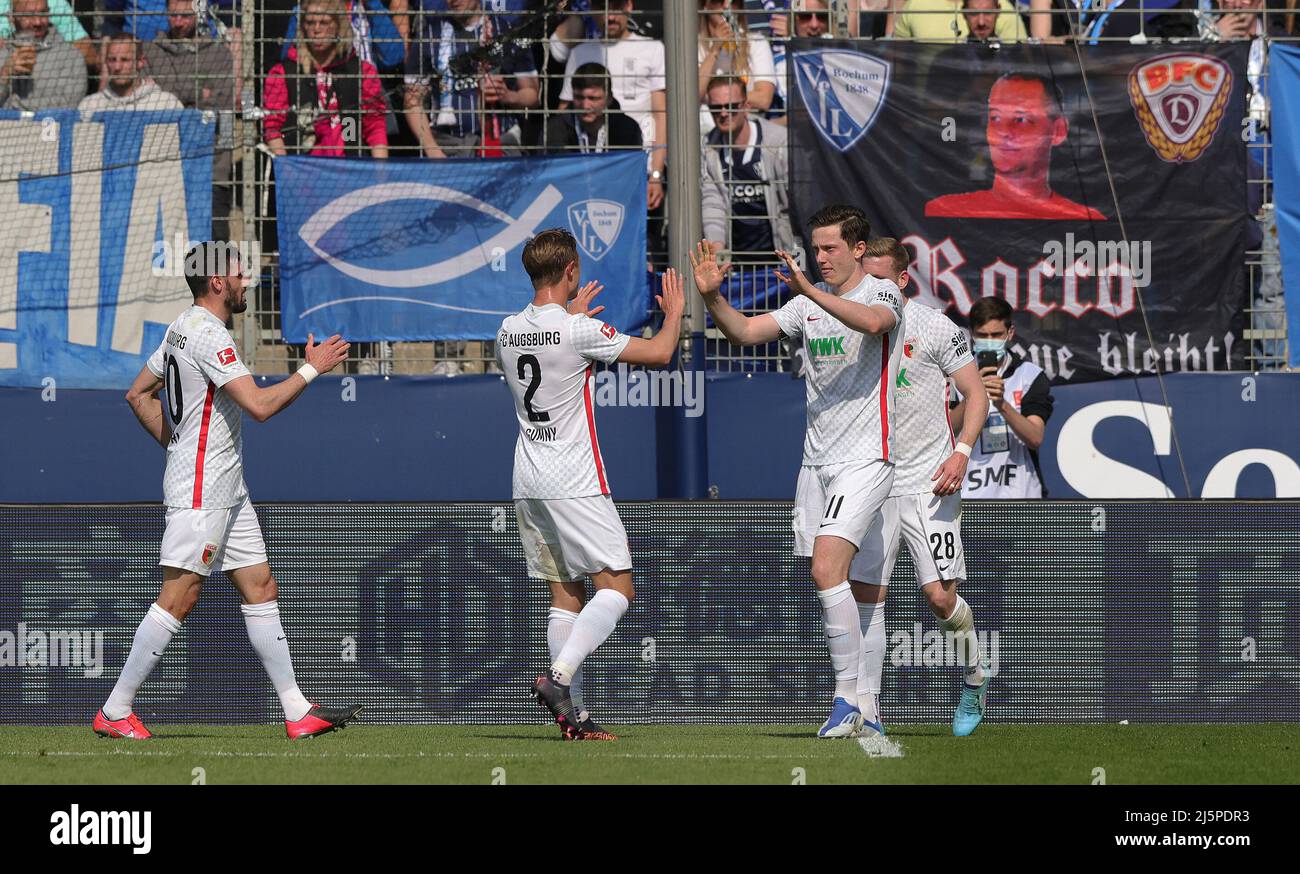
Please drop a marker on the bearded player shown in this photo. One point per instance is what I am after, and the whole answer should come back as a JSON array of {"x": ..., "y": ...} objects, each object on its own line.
[
  {"x": 567, "y": 521},
  {"x": 924, "y": 506},
  {"x": 849, "y": 325},
  {"x": 211, "y": 525}
]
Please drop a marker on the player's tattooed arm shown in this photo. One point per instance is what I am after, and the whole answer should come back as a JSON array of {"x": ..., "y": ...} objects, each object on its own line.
[
  {"x": 147, "y": 406},
  {"x": 658, "y": 351},
  {"x": 974, "y": 410},
  {"x": 739, "y": 329},
  {"x": 579, "y": 306},
  {"x": 866, "y": 319},
  {"x": 263, "y": 403}
]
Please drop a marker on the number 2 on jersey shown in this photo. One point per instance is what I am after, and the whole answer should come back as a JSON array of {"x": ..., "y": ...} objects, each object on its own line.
[{"x": 527, "y": 362}]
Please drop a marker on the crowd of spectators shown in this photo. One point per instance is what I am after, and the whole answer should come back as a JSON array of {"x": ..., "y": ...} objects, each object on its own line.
[{"x": 465, "y": 78}]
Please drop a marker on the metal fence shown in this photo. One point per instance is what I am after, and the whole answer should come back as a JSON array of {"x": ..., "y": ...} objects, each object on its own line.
[{"x": 496, "y": 77}]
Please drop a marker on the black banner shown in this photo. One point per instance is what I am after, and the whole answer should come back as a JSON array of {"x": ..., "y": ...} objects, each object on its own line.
[{"x": 987, "y": 163}]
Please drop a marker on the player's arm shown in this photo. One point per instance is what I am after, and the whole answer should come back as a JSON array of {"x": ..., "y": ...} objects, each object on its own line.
[
  {"x": 658, "y": 351},
  {"x": 263, "y": 403},
  {"x": 740, "y": 330},
  {"x": 147, "y": 406},
  {"x": 864, "y": 318},
  {"x": 974, "y": 410}
]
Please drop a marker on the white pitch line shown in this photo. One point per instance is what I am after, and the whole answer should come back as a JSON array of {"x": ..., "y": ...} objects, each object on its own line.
[
  {"x": 503, "y": 755},
  {"x": 880, "y": 747}
]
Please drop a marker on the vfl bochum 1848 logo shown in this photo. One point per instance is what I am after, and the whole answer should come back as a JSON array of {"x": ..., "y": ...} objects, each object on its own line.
[
  {"x": 842, "y": 92},
  {"x": 596, "y": 225}
]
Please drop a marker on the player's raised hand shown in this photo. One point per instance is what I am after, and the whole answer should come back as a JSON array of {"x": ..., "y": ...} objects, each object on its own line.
[
  {"x": 327, "y": 355},
  {"x": 672, "y": 301},
  {"x": 948, "y": 478},
  {"x": 795, "y": 279},
  {"x": 709, "y": 274},
  {"x": 581, "y": 304}
]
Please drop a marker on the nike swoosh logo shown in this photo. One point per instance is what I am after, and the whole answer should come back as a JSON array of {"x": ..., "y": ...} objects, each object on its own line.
[
  {"x": 814, "y": 318},
  {"x": 824, "y": 524},
  {"x": 158, "y": 654},
  {"x": 279, "y": 638}
]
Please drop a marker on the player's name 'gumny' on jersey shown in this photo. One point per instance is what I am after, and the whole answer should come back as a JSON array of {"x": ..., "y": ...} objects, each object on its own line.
[
  {"x": 546, "y": 355},
  {"x": 205, "y": 467},
  {"x": 933, "y": 349},
  {"x": 850, "y": 375}
]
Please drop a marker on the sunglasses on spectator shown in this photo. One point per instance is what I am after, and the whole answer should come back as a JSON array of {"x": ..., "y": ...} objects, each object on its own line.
[
  {"x": 808, "y": 16},
  {"x": 726, "y": 108}
]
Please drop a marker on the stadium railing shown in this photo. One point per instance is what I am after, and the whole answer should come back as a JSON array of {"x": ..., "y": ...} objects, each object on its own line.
[{"x": 253, "y": 32}]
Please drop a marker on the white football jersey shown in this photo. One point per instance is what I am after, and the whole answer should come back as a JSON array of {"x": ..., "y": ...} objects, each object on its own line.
[
  {"x": 205, "y": 466},
  {"x": 546, "y": 356},
  {"x": 850, "y": 376},
  {"x": 933, "y": 349}
]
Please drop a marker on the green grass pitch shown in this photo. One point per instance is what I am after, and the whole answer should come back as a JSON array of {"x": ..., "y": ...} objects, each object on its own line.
[{"x": 1067, "y": 754}]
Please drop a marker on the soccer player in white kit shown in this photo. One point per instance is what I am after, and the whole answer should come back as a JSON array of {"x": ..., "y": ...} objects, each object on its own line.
[
  {"x": 567, "y": 521},
  {"x": 924, "y": 506},
  {"x": 849, "y": 324},
  {"x": 211, "y": 525}
]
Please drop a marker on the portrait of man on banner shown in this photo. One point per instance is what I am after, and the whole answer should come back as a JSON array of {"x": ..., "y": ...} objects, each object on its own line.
[{"x": 1025, "y": 122}]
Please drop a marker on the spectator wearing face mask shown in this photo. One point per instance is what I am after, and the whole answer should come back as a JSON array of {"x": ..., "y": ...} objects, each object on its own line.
[{"x": 1004, "y": 461}]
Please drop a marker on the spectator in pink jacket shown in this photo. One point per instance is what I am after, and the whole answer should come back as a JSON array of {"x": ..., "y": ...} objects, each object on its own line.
[{"x": 322, "y": 99}]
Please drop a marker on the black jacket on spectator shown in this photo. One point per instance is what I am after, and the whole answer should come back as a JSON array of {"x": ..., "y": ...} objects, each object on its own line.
[
  {"x": 563, "y": 131},
  {"x": 345, "y": 85}
]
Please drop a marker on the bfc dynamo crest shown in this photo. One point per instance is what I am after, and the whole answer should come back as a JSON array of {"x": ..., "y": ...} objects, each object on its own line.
[
  {"x": 596, "y": 225},
  {"x": 842, "y": 92},
  {"x": 1179, "y": 101}
]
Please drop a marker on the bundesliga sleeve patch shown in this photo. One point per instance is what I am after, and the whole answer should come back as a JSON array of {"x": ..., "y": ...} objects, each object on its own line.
[
  {"x": 226, "y": 357},
  {"x": 608, "y": 330}
]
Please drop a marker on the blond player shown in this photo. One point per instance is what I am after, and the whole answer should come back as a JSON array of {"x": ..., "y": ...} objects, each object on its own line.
[
  {"x": 567, "y": 521},
  {"x": 924, "y": 506}
]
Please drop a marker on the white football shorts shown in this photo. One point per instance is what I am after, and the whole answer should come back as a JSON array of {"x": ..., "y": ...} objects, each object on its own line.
[
  {"x": 567, "y": 539},
  {"x": 930, "y": 526},
  {"x": 839, "y": 500},
  {"x": 207, "y": 541}
]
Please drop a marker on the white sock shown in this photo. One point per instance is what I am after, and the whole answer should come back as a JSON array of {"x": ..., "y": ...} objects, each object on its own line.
[
  {"x": 871, "y": 619},
  {"x": 151, "y": 639},
  {"x": 595, "y": 623},
  {"x": 961, "y": 624},
  {"x": 843, "y": 638},
  {"x": 559, "y": 625},
  {"x": 267, "y": 635}
]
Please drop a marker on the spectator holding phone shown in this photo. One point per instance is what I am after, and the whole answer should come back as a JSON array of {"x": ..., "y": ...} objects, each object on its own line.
[{"x": 1004, "y": 461}]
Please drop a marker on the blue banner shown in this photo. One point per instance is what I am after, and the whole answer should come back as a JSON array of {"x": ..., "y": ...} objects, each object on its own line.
[
  {"x": 1284, "y": 90},
  {"x": 1122, "y": 438},
  {"x": 430, "y": 250},
  {"x": 87, "y": 206}
]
